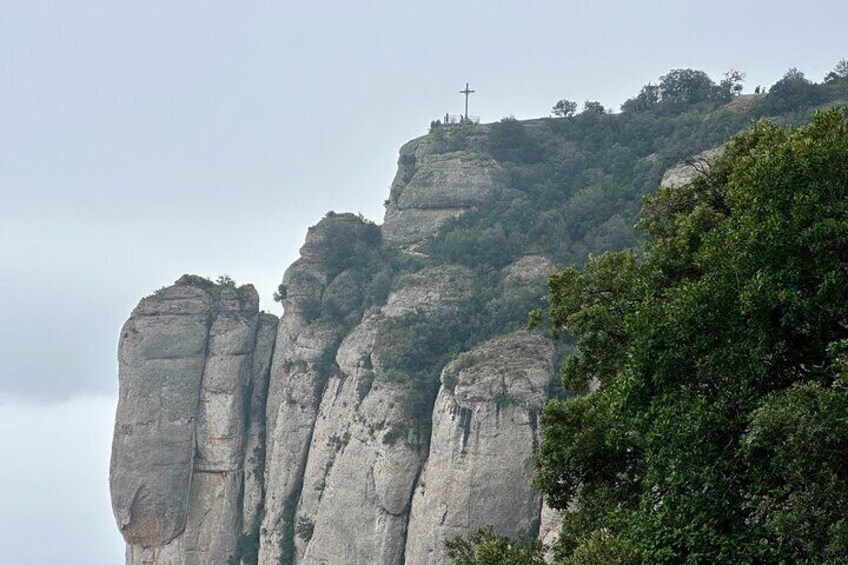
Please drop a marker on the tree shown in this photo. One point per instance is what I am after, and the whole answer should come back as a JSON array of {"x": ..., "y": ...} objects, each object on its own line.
[
  {"x": 646, "y": 100},
  {"x": 593, "y": 107},
  {"x": 684, "y": 87},
  {"x": 791, "y": 92},
  {"x": 564, "y": 108},
  {"x": 717, "y": 429},
  {"x": 794, "y": 74},
  {"x": 225, "y": 280},
  {"x": 484, "y": 547},
  {"x": 840, "y": 71},
  {"x": 732, "y": 82}
]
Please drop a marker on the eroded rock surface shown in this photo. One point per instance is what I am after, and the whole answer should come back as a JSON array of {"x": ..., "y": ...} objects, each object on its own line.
[
  {"x": 186, "y": 360},
  {"x": 434, "y": 184},
  {"x": 484, "y": 434},
  {"x": 549, "y": 528},
  {"x": 685, "y": 173},
  {"x": 329, "y": 438},
  {"x": 368, "y": 446},
  {"x": 322, "y": 300}
]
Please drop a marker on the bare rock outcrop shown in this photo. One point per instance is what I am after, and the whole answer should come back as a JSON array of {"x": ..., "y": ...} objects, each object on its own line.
[
  {"x": 484, "y": 434},
  {"x": 253, "y": 498},
  {"x": 549, "y": 528},
  {"x": 344, "y": 433},
  {"x": 186, "y": 368},
  {"x": 368, "y": 446},
  {"x": 434, "y": 184},
  {"x": 322, "y": 300},
  {"x": 684, "y": 173}
]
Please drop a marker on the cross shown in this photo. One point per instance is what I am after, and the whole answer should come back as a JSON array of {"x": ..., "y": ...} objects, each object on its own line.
[{"x": 466, "y": 92}]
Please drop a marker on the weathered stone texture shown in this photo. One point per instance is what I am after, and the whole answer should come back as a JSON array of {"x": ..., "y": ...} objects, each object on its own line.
[
  {"x": 186, "y": 357},
  {"x": 367, "y": 449},
  {"x": 310, "y": 436},
  {"x": 484, "y": 433},
  {"x": 320, "y": 303},
  {"x": 432, "y": 186},
  {"x": 253, "y": 496},
  {"x": 684, "y": 173}
]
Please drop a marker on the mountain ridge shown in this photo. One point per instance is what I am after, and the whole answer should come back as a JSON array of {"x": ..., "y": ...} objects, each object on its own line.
[{"x": 395, "y": 404}]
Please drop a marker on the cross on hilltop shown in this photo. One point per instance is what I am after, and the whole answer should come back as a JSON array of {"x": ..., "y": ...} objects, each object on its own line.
[{"x": 466, "y": 92}]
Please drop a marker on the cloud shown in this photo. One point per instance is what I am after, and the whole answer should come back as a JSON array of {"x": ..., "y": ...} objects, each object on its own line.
[{"x": 54, "y": 496}]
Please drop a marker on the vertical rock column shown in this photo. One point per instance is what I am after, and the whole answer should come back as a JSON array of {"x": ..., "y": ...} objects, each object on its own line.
[
  {"x": 369, "y": 442},
  {"x": 484, "y": 433},
  {"x": 186, "y": 356},
  {"x": 322, "y": 297}
]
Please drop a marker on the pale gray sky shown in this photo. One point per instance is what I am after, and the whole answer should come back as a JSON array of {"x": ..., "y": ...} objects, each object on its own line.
[{"x": 142, "y": 140}]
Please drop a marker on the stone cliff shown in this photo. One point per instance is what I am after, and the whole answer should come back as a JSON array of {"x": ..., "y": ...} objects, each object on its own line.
[
  {"x": 186, "y": 453},
  {"x": 355, "y": 430},
  {"x": 395, "y": 404}
]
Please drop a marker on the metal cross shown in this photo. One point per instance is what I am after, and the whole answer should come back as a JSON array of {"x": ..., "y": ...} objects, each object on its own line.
[{"x": 466, "y": 92}]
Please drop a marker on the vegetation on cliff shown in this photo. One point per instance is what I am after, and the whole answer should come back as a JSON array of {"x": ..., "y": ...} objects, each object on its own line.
[
  {"x": 718, "y": 432},
  {"x": 574, "y": 185}
]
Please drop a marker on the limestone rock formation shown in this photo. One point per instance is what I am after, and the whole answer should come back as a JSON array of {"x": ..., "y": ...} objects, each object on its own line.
[
  {"x": 432, "y": 185},
  {"x": 549, "y": 528},
  {"x": 395, "y": 405},
  {"x": 188, "y": 364},
  {"x": 485, "y": 429},
  {"x": 322, "y": 298},
  {"x": 367, "y": 448},
  {"x": 685, "y": 173},
  {"x": 329, "y": 437}
]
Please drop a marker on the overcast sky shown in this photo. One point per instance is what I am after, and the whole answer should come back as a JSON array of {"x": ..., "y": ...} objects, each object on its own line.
[{"x": 143, "y": 140}]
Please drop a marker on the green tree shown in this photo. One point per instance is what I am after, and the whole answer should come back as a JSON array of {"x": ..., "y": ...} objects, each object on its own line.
[
  {"x": 646, "y": 100},
  {"x": 731, "y": 84},
  {"x": 484, "y": 547},
  {"x": 840, "y": 71},
  {"x": 791, "y": 92},
  {"x": 717, "y": 426},
  {"x": 564, "y": 108},
  {"x": 593, "y": 107},
  {"x": 683, "y": 87}
]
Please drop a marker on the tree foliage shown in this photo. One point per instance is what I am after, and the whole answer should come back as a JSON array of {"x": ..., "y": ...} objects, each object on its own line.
[
  {"x": 839, "y": 72},
  {"x": 717, "y": 429},
  {"x": 793, "y": 90},
  {"x": 592, "y": 106},
  {"x": 564, "y": 108},
  {"x": 484, "y": 547},
  {"x": 732, "y": 82}
]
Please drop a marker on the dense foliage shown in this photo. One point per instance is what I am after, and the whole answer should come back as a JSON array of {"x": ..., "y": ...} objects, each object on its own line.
[
  {"x": 717, "y": 428},
  {"x": 573, "y": 189},
  {"x": 574, "y": 185},
  {"x": 484, "y": 547}
]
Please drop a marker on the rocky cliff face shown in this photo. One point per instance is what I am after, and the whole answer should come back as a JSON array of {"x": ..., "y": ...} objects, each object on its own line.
[
  {"x": 433, "y": 185},
  {"x": 193, "y": 368},
  {"x": 355, "y": 430},
  {"x": 485, "y": 430}
]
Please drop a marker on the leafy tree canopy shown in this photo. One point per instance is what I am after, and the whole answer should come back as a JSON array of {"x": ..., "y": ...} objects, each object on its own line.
[
  {"x": 564, "y": 108},
  {"x": 484, "y": 547},
  {"x": 717, "y": 429},
  {"x": 840, "y": 71}
]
